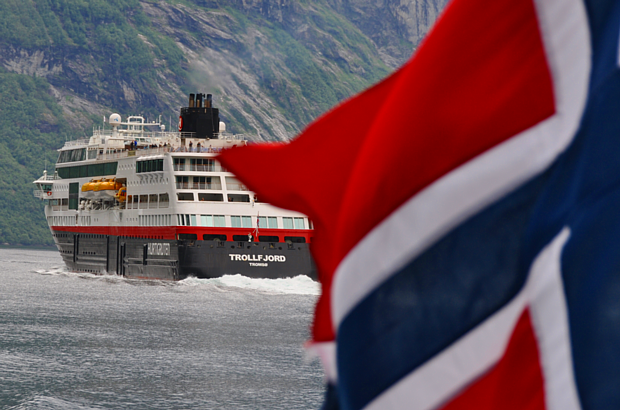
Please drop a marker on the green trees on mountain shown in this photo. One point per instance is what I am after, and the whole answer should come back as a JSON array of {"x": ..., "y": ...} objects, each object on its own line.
[
  {"x": 31, "y": 129},
  {"x": 96, "y": 50}
]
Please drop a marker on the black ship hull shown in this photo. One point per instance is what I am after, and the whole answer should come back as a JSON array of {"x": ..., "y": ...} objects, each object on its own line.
[{"x": 143, "y": 258}]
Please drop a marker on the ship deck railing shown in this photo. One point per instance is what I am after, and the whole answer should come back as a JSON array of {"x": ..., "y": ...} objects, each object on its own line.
[
  {"x": 140, "y": 152},
  {"x": 198, "y": 167},
  {"x": 78, "y": 142},
  {"x": 48, "y": 178},
  {"x": 210, "y": 150},
  {"x": 199, "y": 185},
  {"x": 41, "y": 194}
]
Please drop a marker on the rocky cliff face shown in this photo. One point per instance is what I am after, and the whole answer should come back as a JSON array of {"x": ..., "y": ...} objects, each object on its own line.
[
  {"x": 274, "y": 65},
  {"x": 395, "y": 26}
]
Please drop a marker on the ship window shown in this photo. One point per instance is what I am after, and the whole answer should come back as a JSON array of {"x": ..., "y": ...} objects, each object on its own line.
[
  {"x": 211, "y": 197},
  {"x": 135, "y": 201},
  {"x": 92, "y": 154},
  {"x": 233, "y": 184},
  {"x": 74, "y": 189},
  {"x": 299, "y": 223},
  {"x": 78, "y": 154},
  {"x": 129, "y": 201},
  {"x": 182, "y": 182},
  {"x": 273, "y": 222},
  {"x": 187, "y": 220},
  {"x": 214, "y": 237},
  {"x": 268, "y": 238},
  {"x": 179, "y": 164},
  {"x": 193, "y": 218},
  {"x": 206, "y": 220},
  {"x": 95, "y": 170},
  {"x": 288, "y": 223},
  {"x": 187, "y": 236},
  {"x": 199, "y": 182},
  {"x": 246, "y": 221},
  {"x": 206, "y": 183},
  {"x": 179, "y": 220},
  {"x": 110, "y": 168},
  {"x": 238, "y": 198},
  {"x": 261, "y": 222},
  {"x": 241, "y": 238},
  {"x": 235, "y": 221},
  {"x": 219, "y": 220},
  {"x": 64, "y": 157},
  {"x": 153, "y": 201},
  {"x": 203, "y": 165},
  {"x": 295, "y": 239},
  {"x": 185, "y": 196},
  {"x": 164, "y": 200},
  {"x": 144, "y": 200}
]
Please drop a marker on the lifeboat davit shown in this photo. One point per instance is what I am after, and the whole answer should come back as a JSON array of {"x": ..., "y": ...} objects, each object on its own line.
[{"x": 121, "y": 195}]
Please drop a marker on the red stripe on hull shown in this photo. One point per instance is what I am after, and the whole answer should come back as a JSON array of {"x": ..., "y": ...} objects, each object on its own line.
[{"x": 171, "y": 232}]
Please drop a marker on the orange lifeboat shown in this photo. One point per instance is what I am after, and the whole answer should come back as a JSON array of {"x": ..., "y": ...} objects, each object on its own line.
[
  {"x": 107, "y": 187},
  {"x": 88, "y": 188}
]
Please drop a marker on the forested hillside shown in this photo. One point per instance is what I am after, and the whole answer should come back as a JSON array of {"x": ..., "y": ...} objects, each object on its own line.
[{"x": 272, "y": 65}]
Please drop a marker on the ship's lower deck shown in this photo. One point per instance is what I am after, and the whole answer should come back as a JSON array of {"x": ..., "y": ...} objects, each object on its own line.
[{"x": 178, "y": 259}]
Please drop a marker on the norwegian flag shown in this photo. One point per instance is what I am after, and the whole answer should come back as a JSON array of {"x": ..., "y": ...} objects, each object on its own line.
[{"x": 467, "y": 215}]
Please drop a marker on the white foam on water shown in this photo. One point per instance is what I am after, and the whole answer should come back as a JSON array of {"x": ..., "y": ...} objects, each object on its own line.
[
  {"x": 51, "y": 403},
  {"x": 56, "y": 270},
  {"x": 62, "y": 271},
  {"x": 299, "y": 285}
]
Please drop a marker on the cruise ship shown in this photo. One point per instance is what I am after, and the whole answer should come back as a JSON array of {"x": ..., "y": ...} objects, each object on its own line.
[{"x": 142, "y": 202}]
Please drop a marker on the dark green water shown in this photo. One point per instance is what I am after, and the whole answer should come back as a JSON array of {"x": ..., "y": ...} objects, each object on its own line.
[{"x": 70, "y": 341}]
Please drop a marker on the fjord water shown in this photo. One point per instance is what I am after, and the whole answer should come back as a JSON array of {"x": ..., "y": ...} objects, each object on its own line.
[{"x": 80, "y": 341}]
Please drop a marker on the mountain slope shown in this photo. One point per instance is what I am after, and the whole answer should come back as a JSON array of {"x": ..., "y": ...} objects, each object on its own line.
[{"x": 272, "y": 65}]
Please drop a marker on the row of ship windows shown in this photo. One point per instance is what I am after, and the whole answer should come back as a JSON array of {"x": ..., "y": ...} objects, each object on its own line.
[
  {"x": 214, "y": 182},
  {"x": 219, "y": 221},
  {"x": 91, "y": 170},
  {"x": 153, "y": 201},
  {"x": 197, "y": 164},
  {"x": 69, "y": 220},
  {"x": 236, "y": 221},
  {"x": 151, "y": 165},
  {"x": 148, "y": 201}
]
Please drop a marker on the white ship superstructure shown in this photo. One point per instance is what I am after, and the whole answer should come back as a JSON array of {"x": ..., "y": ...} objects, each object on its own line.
[{"x": 140, "y": 201}]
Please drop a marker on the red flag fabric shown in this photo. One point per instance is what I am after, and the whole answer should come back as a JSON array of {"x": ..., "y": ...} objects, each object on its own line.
[{"x": 478, "y": 79}]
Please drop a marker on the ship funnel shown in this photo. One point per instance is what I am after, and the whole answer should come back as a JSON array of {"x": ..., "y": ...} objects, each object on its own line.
[{"x": 200, "y": 119}]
